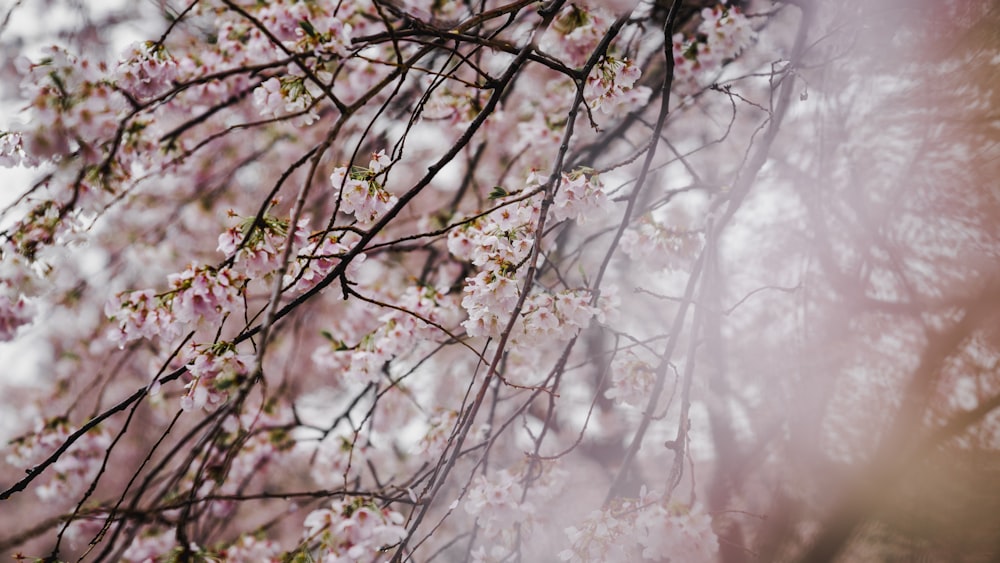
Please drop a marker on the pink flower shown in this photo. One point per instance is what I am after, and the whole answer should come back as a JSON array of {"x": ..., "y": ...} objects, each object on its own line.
[
  {"x": 609, "y": 88},
  {"x": 146, "y": 70},
  {"x": 354, "y": 530},
  {"x": 202, "y": 294},
  {"x": 496, "y": 502},
  {"x": 575, "y": 33},
  {"x": 379, "y": 162},
  {"x": 75, "y": 468},
  {"x": 361, "y": 196},
  {"x": 140, "y": 314},
  {"x": 150, "y": 545},
  {"x": 213, "y": 371},
  {"x": 580, "y": 196},
  {"x": 15, "y": 312},
  {"x": 12, "y": 150},
  {"x": 632, "y": 380},
  {"x": 250, "y": 549},
  {"x": 319, "y": 258}
]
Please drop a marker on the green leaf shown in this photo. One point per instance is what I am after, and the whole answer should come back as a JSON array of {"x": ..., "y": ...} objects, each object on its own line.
[
  {"x": 498, "y": 192},
  {"x": 308, "y": 28},
  {"x": 337, "y": 344}
]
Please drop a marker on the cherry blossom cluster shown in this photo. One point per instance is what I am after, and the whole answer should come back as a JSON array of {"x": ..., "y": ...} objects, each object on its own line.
[
  {"x": 212, "y": 373},
  {"x": 722, "y": 35},
  {"x": 42, "y": 226},
  {"x": 548, "y": 317},
  {"x": 499, "y": 244},
  {"x": 151, "y": 544},
  {"x": 256, "y": 249},
  {"x": 12, "y": 150},
  {"x": 451, "y": 106},
  {"x": 435, "y": 440},
  {"x": 540, "y": 127},
  {"x": 307, "y": 27},
  {"x": 15, "y": 312},
  {"x": 581, "y": 197},
  {"x": 631, "y": 380},
  {"x": 496, "y": 503},
  {"x": 250, "y": 548},
  {"x": 575, "y": 33},
  {"x": 199, "y": 295},
  {"x": 656, "y": 246},
  {"x": 146, "y": 71},
  {"x": 73, "y": 472},
  {"x": 318, "y": 258},
  {"x": 202, "y": 294},
  {"x": 490, "y": 299},
  {"x": 727, "y": 31},
  {"x": 290, "y": 95},
  {"x": 501, "y": 507},
  {"x": 354, "y": 529},
  {"x": 643, "y": 529},
  {"x": 320, "y": 32},
  {"x": 140, "y": 314},
  {"x": 400, "y": 331},
  {"x": 361, "y": 194},
  {"x": 610, "y": 87},
  {"x": 79, "y": 107}
]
